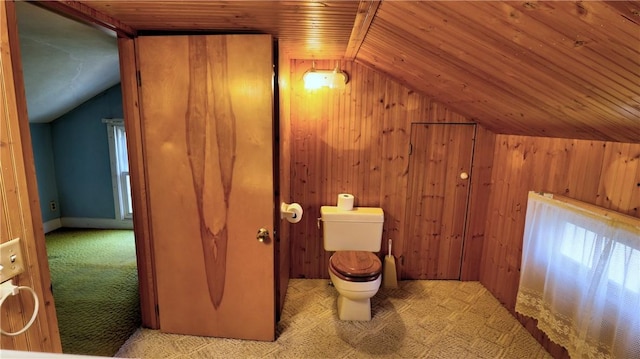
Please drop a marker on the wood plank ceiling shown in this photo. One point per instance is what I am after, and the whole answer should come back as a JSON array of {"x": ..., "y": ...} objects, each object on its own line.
[
  {"x": 304, "y": 29},
  {"x": 559, "y": 69},
  {"x": 556, "y": 69}
]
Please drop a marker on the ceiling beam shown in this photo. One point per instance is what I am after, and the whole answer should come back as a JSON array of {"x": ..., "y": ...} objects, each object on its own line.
[
  {"x": 82, "y": 12},
  {"x": 366, "y": 12}
]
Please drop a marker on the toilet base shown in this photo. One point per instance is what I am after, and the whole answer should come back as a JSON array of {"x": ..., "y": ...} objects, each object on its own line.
[{"x": 350, "y": 309}]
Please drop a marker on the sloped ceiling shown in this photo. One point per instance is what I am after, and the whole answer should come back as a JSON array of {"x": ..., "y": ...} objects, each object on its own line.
[
  {"x": 565, "y": 69},
  {"x": 64, "y": 62},
  {"x": 557, "y": 69}
]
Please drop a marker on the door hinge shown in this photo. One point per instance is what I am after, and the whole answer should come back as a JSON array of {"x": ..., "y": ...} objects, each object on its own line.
[
  {"x": 410, "y": 148},
  {"x": 138, "y": 78}
]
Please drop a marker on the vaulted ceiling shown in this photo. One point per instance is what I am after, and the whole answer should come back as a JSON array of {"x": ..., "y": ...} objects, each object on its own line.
[
  {"x": 558, "y": 69},
  {"x": 65, "y": 62}
]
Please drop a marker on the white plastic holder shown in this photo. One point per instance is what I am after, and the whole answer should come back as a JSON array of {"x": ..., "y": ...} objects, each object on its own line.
[
  {"x": 7, "y": 289},
  {"x": 285, "y": 212},
  {"x": 291, "y": 212}
]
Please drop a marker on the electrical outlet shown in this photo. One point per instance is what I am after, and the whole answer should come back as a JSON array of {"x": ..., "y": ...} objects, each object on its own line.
[
  {"x": 11, "y": 261},
  {"x": 53, "y": 206}
]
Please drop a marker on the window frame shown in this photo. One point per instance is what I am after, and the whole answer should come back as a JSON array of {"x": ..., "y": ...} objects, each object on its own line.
[{"x": 118, "y": 161}]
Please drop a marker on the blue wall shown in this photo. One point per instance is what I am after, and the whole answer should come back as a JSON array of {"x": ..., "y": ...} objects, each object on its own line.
[
  {"x": 45, "y": 169},
  {"x": 81, "y": 157},
  {"x": 72, "y": 159}
]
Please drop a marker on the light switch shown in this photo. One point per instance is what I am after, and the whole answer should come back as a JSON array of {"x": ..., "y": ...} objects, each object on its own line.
[{"x": 11, "y": 261}]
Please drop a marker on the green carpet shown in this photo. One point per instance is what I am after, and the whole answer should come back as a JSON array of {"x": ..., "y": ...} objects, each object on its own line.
[{"x": 95, "y": 288}]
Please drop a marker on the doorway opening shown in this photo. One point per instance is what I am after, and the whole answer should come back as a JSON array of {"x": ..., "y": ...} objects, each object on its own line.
[{"x": 71, "y": 76}]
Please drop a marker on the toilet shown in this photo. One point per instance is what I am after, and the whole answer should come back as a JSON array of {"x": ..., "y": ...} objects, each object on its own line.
[{"x": 355, "y": 270}]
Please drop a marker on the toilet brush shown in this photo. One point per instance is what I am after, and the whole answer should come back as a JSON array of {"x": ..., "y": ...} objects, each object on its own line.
[{"x": 389, "y": 279}]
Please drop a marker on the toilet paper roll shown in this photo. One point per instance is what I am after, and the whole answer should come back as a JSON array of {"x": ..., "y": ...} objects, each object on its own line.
[
  {"x": 345, "y": 201},
  {"x": 293, "y": 213}
]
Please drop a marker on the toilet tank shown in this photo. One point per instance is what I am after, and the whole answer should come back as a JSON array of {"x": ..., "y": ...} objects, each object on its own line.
[{"x": 357, "y": 230}]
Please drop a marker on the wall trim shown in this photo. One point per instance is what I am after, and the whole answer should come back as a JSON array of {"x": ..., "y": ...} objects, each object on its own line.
[
  {"x": 100, "y": 223},
  {"x": 52, "y": 225}
]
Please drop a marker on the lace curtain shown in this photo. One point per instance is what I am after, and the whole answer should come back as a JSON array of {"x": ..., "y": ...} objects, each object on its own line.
[{"x": 580, "y": 278}]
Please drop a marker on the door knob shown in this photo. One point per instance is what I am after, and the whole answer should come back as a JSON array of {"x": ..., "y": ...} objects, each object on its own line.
[{"x": 263, "y": 235}]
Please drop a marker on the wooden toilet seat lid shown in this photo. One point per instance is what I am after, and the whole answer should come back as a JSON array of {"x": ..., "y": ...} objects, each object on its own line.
[{"x": 356, "y": 264}]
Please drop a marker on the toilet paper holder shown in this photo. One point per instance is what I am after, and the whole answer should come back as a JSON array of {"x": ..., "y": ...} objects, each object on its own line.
[
  {"x": 291, "y": 212},
  {"x": 286, "y": 212}
]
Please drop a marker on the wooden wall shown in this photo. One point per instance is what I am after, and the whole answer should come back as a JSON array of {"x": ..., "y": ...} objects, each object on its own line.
[
  {"x": 356, "y": 140},
  {"x": 606, "y": 174},
  {"x": 283, "y": 178}
]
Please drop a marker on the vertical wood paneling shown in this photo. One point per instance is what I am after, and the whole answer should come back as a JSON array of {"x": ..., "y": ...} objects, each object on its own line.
[
  {"x": 351, "y": 133},
  {"x": 478, "y": 201},
  {"x": 602, "y": 173},
  {"x": 437, "y": 201},
  {"x": 283, "y": 237},
  {"x": 20, "y": 215},
  {"x": 355, "y": 140}
]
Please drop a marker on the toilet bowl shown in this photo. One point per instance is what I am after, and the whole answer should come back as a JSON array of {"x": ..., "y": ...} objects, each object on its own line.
[
  {"x": 353, "y": 235},
  {"x": 356, "y": 275}
]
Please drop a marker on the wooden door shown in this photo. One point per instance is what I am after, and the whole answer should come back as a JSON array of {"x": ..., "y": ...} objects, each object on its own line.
[
  {"x": 437, "y": 200},
  {"x": 207, "y": 114}
]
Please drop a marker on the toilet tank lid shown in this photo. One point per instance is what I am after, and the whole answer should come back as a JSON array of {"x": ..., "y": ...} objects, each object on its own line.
[{"x": 357, "y": 214}]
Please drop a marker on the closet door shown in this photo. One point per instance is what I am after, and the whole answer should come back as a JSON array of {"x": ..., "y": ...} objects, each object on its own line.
[
  {"x": 207, "y": 113},
  {"x": 439, "y": 170}
]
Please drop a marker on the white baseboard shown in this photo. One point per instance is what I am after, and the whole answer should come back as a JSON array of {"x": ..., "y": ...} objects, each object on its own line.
[
  {"x": 100, "y": 223},
  {"x": 52, "y": 225}
]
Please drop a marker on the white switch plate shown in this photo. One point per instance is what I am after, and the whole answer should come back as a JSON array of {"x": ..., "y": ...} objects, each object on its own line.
[{"x": 11, "y": 261}]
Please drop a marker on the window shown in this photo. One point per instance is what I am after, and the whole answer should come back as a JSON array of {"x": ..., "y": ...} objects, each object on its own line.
[
  {"x": 580, "y": 277},
  {"x": 578, "y": 244},
  {"x": 119, "y": 169},
  {"x": 586, "y": 248}
]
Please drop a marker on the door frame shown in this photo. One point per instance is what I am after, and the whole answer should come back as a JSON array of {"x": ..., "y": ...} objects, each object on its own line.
[
  {"x": 138, "y": 175},
  {"x": 128, "y": 78},
  {"x": 34, "y": 228},
  {"x": 137, "y": 171},
  {"x": 481, "y": 183},
  {"x": 468, "y": 198}
]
